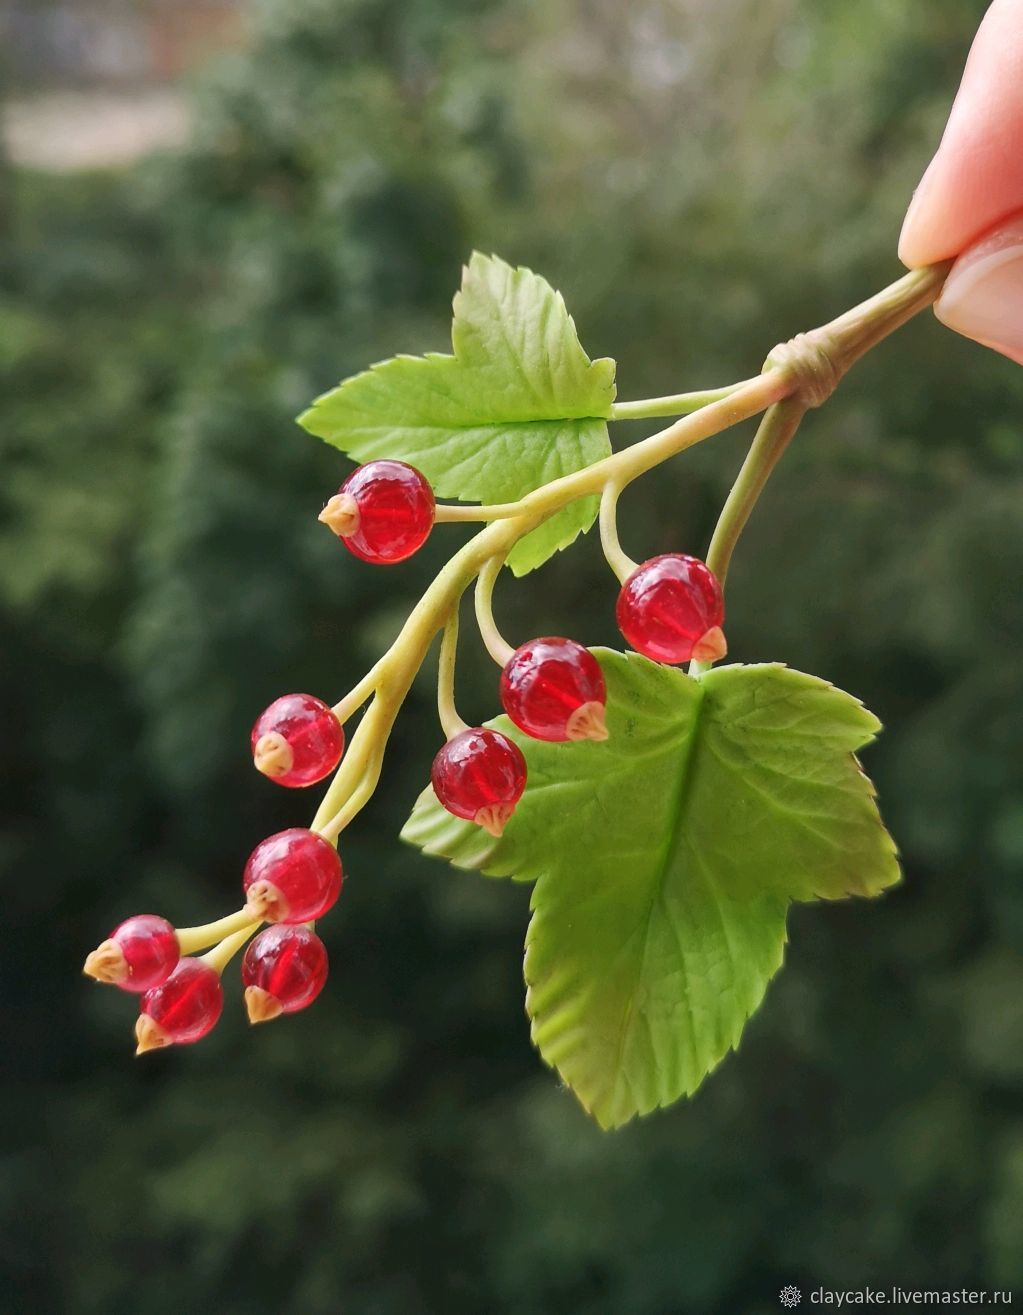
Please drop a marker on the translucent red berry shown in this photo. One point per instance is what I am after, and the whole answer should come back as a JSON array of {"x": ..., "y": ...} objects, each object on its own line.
[
  {"x": 480, "y": 775},
  {"x": 293, "y": 876},
  {"x": 297, "y": 740},
  {"x": 180, "y": 1010},
  {"x": 383, "y": 512},
  {"x": 671, "y": 609},
  {"x": 284, "y": 970},
  {"x": 139, "y": 954},
  {"x": 553, "y": 689}
]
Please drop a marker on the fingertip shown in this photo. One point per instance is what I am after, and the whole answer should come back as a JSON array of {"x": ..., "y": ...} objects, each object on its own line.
[{"x": 983, "y": 294}]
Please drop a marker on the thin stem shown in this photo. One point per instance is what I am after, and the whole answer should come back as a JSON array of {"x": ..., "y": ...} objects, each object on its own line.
[
  {"x": 497, "y": 646},
  {"x": 354, "y": 700},
  {"x": 450, "y": 721},
  {"x": 679, "y": 404},
  {"x": 191, "y": 939},
  {"x": 619, "y": 561},
  {"x": 857, "y": 330},
  {"x": 221, "y": 955},
  {"x": 446, "y": 511},
  {"x": 772, "y": 438},
  {"x": 356, "y": 801},
  {"x": 367, "y": 741}
]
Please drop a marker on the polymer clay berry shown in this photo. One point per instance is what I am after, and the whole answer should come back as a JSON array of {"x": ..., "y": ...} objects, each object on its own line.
[
  {"x": 283, "y": 971},
  {"x": 480, "y": 775},
  {"x": 139, "y": 954},
  {"x": 297, "y": 740},
  {"x": 671, "y": 609},
  {"x": 181, "y": 1010},
  {"x": 553, "y": 689},
  {"x": 383, "y": 512},
  {"x": 293, "y": 876}
]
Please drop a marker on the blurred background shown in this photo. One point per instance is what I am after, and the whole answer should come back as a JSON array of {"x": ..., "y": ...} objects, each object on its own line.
[{"x": 210, "y": 211}]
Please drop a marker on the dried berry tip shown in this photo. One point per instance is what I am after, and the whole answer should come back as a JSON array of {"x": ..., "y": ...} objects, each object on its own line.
[
  {"x": 272, "y": 755},
  {"x": 341, "y": 514},
  {"x": 107, "y": 964},
  {"x": 494, "y": 818},
  {"x": 711, "y": 646},
  {"x": 587, "y": 723},
  {"x": 150, "y": 1035},
  {"x": 261, "y": 1006},
  {"x": 264, "y": 901}
]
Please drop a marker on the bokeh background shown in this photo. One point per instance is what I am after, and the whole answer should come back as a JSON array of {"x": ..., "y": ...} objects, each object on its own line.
[{"x": 210, "y": 212}]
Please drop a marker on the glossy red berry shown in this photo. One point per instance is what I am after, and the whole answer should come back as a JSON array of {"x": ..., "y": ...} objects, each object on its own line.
[
  {"x": 139, "y": 954},
  {"x": 284, "y": 970},
  {"x": 297, "y": 740},
  {"x": 293, "y": 876},
  {"x": 671, "y": 609},
  {"x": 180, "y": 1010},
  {"x": 383, "y": 512},
  {"x": 480, "y": 775},
  {"x": 553, "y": 689}
]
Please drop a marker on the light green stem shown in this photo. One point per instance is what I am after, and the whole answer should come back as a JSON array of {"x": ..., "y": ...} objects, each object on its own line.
[
  {"x": 450, "y": 721},
  {"x": 496, "y": 644},
  {"x": 618, "y": 560},
  {"x": 221, "y": 955},
  {"x": 191, "y": 939},
  {"x": 679, "y": 404}
]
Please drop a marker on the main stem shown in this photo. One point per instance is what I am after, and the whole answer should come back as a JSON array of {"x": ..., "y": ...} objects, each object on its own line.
[{"x": 804, "y": 371}]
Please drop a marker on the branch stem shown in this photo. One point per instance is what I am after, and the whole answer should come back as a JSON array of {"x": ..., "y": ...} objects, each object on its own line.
[
  {"x": 618, "y": 560},
  {"x": 679, "y": 404},
  {"x": 496, "y": 644},
  {"x": 450, "y": 721}
]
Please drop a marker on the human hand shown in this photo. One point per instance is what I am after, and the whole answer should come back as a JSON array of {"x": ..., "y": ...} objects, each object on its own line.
[{"x": 969, "y": 203}]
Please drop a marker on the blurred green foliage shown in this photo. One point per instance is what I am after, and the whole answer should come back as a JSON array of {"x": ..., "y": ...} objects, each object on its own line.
[{"x": 701, "y": 180}]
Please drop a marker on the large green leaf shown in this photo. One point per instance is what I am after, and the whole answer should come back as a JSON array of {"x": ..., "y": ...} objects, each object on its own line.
[
  {"x": 665, "y": 861},
  {"x": 518, "y": 404}
]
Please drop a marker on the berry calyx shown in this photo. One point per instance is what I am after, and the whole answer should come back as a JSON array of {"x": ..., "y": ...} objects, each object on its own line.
[
  {"x": 671, "y": 609},
  {"x": 480, "y": 775},
  {"x": 180, "y": 1010},
  {"x": 297, "y": 740},
  {"x": 283, "y": 971},
  {"x": 553, "y": 689},
  {"x": 139, "y": 954},
  {"x": 383, "y": 512},
  {"x": 293, "y": 876}
]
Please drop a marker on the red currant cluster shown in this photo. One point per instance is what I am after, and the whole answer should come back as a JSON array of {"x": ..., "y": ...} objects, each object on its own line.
[
  {"x": 669, "y": 609},
  {"x": 291, "y": 878}
]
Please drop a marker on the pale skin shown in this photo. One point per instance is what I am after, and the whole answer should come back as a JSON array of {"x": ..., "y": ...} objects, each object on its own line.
[{"x": 969, "y": 204}]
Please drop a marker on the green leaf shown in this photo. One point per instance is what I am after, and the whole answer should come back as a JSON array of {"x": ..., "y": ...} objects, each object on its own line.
[
  {"x": 665, "y": 861},
  {"x": 517, "y": 405}
]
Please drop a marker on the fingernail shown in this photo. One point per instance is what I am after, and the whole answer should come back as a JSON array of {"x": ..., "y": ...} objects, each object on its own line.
[
  {"x": 912, "y": 216},
  {"x": 983, "y": 295}
]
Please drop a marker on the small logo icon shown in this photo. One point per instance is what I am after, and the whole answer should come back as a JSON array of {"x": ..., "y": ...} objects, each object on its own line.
[{"x": 790, "y": 1296}]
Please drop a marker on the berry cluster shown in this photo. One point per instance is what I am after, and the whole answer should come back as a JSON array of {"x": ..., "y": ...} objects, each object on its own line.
[
  {"x": 290, "y": 879},
  {"x": 669, "y": 609}
]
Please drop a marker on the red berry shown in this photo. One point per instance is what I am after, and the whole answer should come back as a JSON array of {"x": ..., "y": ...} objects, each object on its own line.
[
  {"x": 297, "y": 740},
  {"x": 284, "y": 970},
  {"x": 182, "y": 1009},
  {"x": 671, "y": 609},
  {"x": 553, "y": 689},
  {"x": 480, "y": 775},
  {"x": 383, "y": 512},
  {"x": 293, "y": 876},
  {"x": 139, "y": 954}
]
